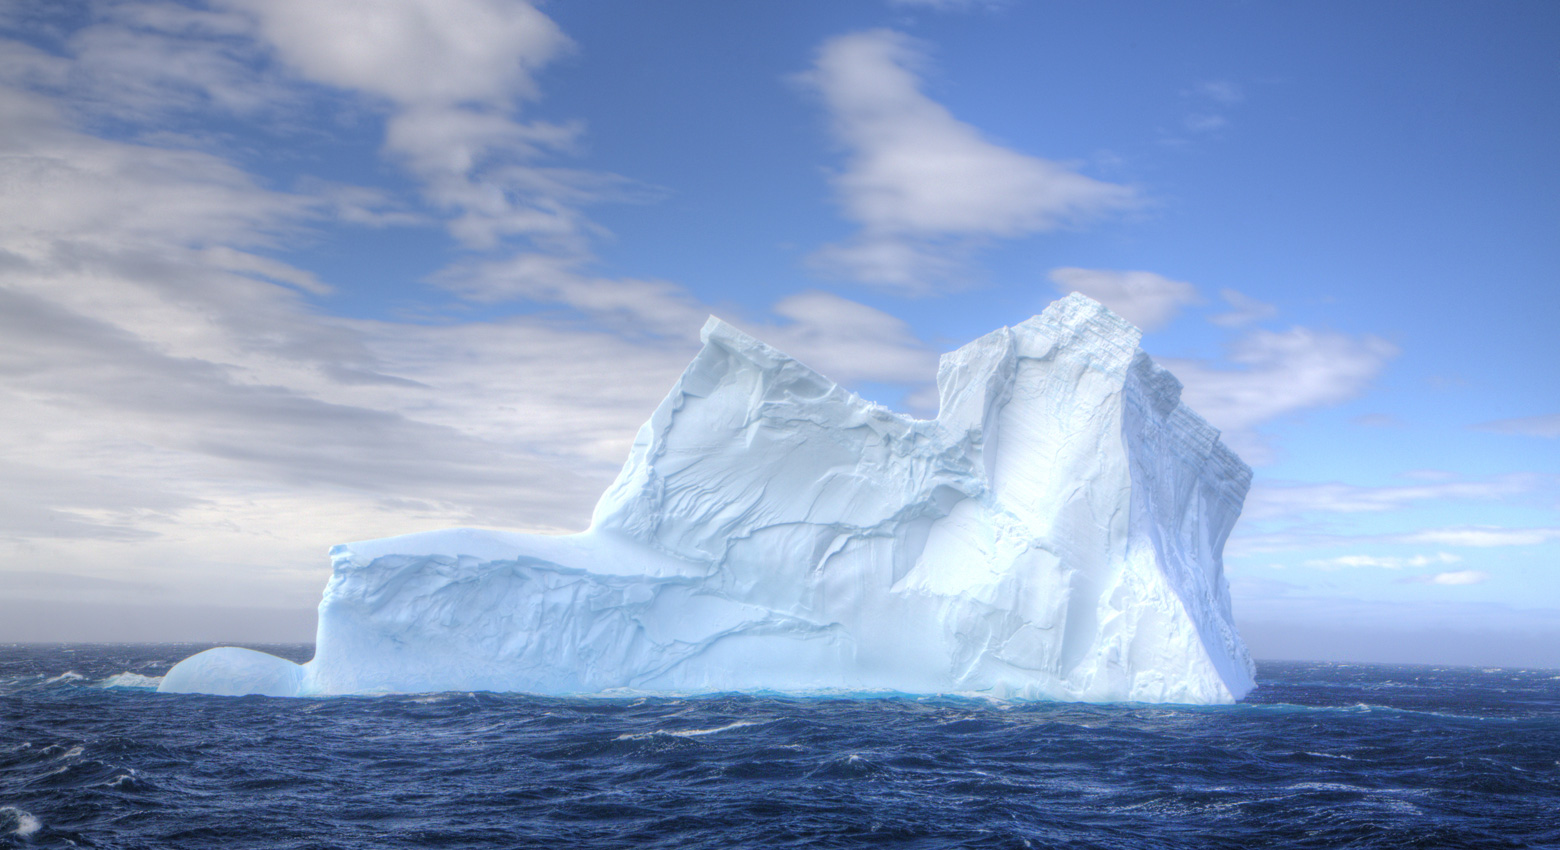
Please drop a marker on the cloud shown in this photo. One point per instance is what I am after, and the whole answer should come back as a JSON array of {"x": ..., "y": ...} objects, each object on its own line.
[
  {"x": 1245, "y": 544},
  {"x": 629, "y": 305},
  {"x": 922, "y": 185},
  {"x": 1278, "y": 373},
  {"x": 1145, "y": 299},
  {"x": 1244, "y": 310},
  {"x": 453, "y": 75},
  {"x": 951, "y": 5},
  {"x": 845, "y": 340},
  {"x": 1459, "y": 577},
  {"x": 414, "y": 52},
  {"x": 61, "y": 181},
  {"x": 1483, "y": 536},
  {"x": 849, "y": 342},
  {"x": 1276, "y": 500},
  {"x": 177, "y": 407},
  {"x": 1378, "y": 420},
  {"x": 1222, "y": 92},
  {"x": 138, "y": 60},
  {"x": 1388, "y": 563},
  {"x": 1207, "y": 104},
  {"x": 1528, "y": 426},
  {"x": 1204, "y": 122}
]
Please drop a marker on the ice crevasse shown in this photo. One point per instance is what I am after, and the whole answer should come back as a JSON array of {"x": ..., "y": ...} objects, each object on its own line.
[{"x": 1055, "y": 533}]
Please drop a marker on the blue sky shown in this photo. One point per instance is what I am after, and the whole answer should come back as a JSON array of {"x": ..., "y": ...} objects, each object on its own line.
[{"x": 280, "y": 274}]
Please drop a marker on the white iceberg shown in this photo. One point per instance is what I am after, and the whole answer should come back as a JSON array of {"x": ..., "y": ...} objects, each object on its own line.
[{"x": 1055, "y": 533}]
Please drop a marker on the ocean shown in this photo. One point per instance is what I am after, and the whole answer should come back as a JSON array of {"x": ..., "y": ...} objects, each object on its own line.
[{"x": 1319, "y": 756}]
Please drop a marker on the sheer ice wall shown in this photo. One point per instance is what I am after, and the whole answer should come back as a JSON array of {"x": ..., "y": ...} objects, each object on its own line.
[{"x": 1055, "y": 533}]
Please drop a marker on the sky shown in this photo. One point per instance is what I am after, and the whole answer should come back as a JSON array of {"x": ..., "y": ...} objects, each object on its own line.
[{"x": 279, "y": 274}]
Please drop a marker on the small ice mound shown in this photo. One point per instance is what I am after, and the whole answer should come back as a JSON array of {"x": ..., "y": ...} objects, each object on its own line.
[
  {"x": 20, "y": 823},
  {"x": 131, "y": 680},
  {"x": 233, "y": 671}
]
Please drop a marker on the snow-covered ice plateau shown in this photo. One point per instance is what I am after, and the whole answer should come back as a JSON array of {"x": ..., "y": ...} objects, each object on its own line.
[{"x": 1055, "y": 533}]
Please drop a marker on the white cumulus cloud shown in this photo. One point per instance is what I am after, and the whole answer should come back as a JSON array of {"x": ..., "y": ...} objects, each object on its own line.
[
  {"x": 923, "y": 185},
  {"x": 1143, "y": 298},
  {"x": 430, "y": 52},
  {"x": 452, "y": 75}
]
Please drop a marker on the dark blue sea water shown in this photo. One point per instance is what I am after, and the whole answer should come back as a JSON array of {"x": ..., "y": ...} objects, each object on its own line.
[{"x": 1321, "y": 755}]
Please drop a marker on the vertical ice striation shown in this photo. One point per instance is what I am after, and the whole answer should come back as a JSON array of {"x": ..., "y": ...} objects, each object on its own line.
[{"x": 1055, "y": 533}]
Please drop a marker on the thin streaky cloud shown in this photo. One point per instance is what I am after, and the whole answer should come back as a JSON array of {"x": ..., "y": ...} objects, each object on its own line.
[
  {"x": 1452, "y": 579},
  {"x": 1244, "y": 310},
  {"x": 1386, "y": 562},
  {"x": 1547, "y": 426},
  {"x": 1279, "y": 500},
  {"x": 1274, "y": 374},
  {"x": 1483, "y": 536}
]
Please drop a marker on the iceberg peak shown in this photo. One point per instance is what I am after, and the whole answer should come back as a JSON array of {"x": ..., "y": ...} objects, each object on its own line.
[{"x": 1056, "y": 532}]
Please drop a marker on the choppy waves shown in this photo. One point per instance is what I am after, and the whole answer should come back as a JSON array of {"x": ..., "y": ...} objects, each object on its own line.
[{"x": 1322, "y": 756}]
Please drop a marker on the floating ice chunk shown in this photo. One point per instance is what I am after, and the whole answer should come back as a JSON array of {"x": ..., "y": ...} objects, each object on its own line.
[
  {"x": 231, "y": 671},
  {"x": 1055, "y": 533}
]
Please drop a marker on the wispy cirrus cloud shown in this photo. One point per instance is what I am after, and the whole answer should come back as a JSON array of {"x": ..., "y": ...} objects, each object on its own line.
[
  {"x": 848, "y": 341},
  {"x": 1206, "y": 109},
  {"x": 924, "y": 187},
  {"x": 1272, "y": 374},
  {"x": 1244, "y": 310},
  {"x": 1265, "y": 375}
]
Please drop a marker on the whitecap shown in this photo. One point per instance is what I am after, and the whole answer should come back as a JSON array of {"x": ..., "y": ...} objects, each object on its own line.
[
  {"x": 1325, "y": 786},
  {"x": 67, "y": 676},
  {"x": 687, "y": 733},
  {"x": 26, "y": 824},
  {"x": 131, "y": 680},
  {"x": 121, "y": 779}
]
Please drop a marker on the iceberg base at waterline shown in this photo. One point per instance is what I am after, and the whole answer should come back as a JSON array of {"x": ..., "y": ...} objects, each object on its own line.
[{"x": 1055, "y": 533}]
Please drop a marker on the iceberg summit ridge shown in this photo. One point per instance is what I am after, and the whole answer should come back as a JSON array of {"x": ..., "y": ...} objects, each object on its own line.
[{"x": 1055, "y": 533}]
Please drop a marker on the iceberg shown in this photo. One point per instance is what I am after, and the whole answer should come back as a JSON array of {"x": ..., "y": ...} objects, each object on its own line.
[{"x": 1056, "y": 532}]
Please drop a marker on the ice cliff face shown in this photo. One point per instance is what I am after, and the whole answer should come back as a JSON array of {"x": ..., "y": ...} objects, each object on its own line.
[{"x": 1055, "y": 533}]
